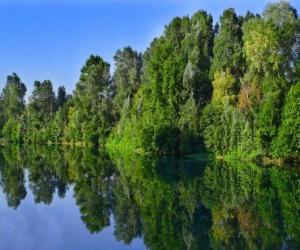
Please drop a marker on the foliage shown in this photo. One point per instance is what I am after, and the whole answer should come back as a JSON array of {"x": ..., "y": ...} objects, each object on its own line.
[
  {"x": 229, "y": 88},
  {"x": 91, "y": 119},
  {"x": 287, "y": 142},
  {"x": 248, "y": 104},
  {"x": 175, "y": 76},
  {"x": 12, "y": 97},
  {"x": 228, "y": 53},
  {"x": 127, "y": 77}
]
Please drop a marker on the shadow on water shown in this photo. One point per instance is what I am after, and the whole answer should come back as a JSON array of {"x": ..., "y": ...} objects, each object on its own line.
[{"x": 171, "y": 203}]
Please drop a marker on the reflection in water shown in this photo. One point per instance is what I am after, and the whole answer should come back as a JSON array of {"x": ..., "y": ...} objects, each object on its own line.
[{"x": 191, "y": 203}]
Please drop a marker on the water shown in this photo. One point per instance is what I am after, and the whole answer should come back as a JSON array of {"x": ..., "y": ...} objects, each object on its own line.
[{"x": 83, "y": 199}]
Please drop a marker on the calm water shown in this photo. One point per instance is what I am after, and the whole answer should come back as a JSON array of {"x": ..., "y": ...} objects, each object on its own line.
[{"x": 82, "y": 199}]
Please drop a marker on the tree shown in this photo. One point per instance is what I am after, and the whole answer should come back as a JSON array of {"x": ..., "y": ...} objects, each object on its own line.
[
  {"x": 12, "y": 103},
  {"x": 269, "y": 42},
  {"x": 127, "y": 76},
  {"x": 13, "y": 97},
  {"x": 220, "y": 121},
  {"x": 199, "y": 46},
  {"x": 92, "y": 102},
  {"x": 269, "y": 46},
  {"x": 287, "y": 143},
  {"x": 42, "y": 101},
  {"x": 61, "y": 96},
  {"x": 40, "y": 112},
  {"x": 280, "y": 13},
  {"x": 228, "y": 53}
]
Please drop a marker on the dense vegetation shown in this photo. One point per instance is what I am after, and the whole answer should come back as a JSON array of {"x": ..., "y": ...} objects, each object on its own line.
[{"x": 233, "y": 87}]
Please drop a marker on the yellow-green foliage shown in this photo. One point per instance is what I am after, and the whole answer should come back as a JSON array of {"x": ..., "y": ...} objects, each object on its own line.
[
  {"x": 225, "y": 87},
  {"x": 261, "y": 46}
]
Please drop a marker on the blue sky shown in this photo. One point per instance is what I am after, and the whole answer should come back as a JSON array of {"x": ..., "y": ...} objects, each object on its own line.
[{"x": 51, "y": 39}]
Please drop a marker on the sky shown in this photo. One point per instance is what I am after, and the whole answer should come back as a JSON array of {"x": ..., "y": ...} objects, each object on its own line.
[{"x": 51, "y": 39}]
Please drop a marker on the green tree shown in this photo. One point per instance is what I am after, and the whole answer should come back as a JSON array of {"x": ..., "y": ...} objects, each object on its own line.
[
  {"x": 92, "y": 118},
  {"x": 127, "y": 76},
  {"x": 61, "y": 96},
  {"x": 42, "y": 101},
  {"x": 12, "y": 103},
  {"x": 287, "y": 143},
  {"x": 40, "y": 112},
  {"x": 269, "y": 42},
  {"x": 228, "y": 53},
  {"x": 13, "y": 97}
]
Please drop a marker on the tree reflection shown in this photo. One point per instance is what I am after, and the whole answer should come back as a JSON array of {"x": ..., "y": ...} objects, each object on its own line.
[
  {"x": 126, "y": 214},
  {"x": 45, "y": 166},
  {"x": 93, "y": 180},
  {"x": 191, "y": 203},
  {"x": 249, "y": 207},
  {"x": 166, "y": 196},
  {"x": 12, "y": 178}
]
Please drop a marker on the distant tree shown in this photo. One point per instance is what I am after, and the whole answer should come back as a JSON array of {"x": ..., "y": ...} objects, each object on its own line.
[
  {"x": 40, "y": 112},
  {"x": 12, "y": 107},
  {"x": 61, "y": 96},
  {"x": 13, "y": 97},
  {"x": 42, "y": 101}
]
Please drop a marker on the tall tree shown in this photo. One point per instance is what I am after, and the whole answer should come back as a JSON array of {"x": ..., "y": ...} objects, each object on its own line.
[
  {"x": 61, "y": 96},
  {"x": 199, "y": 46},
  {"x": 228, "y": 61},
  {"x": 228, "y": 54},
  {"x": 92, "y": 119},
  {"x": 42, "y": 101},
  {"x": 269, "y": 46},
  {"x": 287, "y": 143},
  {"x": 12, "y": 104},
  {"x": 127, "y": 76},
  {"x": 13, "y": 97},
  {"x": 269, "y": 42},
  {"x": 40, "y": 112}
]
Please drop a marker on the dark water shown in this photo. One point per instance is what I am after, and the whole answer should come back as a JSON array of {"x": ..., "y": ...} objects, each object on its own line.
[{"x": 84, "y": 199}]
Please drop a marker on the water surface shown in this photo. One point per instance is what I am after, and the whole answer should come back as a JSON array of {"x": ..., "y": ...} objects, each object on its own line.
[{"x": 55, "y": 198}]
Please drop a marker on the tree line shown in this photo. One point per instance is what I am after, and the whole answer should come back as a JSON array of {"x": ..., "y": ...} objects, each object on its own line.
[{"x": 232, "y": 86}]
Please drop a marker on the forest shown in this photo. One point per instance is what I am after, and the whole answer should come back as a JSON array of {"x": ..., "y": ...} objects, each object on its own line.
[{"x": 228, "y": 87}]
